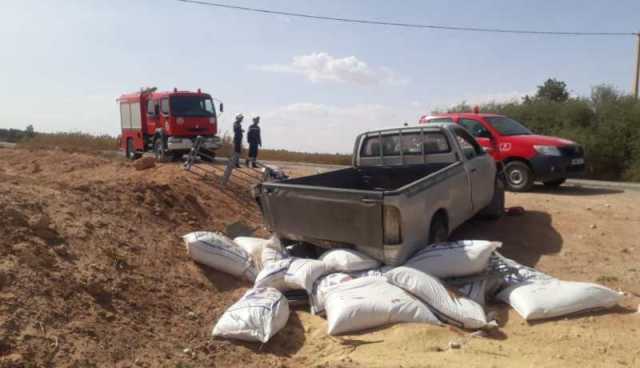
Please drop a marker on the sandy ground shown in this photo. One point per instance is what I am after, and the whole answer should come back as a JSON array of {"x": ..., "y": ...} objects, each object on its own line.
[{"x": 93, "y": 273}]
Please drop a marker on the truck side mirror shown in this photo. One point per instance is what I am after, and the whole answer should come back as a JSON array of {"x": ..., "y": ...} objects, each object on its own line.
[{"x": 221, "y": 107}]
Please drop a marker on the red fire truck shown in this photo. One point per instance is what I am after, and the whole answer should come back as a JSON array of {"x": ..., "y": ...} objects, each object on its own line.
[{"x": 167, "y": 123}]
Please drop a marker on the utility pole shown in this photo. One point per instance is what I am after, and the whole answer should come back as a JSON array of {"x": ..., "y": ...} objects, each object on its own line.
[{"x": 637, "y": 80}]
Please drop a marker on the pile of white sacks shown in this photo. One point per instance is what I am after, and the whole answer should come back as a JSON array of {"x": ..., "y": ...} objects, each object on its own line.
[{"x": 445, "y": 283}]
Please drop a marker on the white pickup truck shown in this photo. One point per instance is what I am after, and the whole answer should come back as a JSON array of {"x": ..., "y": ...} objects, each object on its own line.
[{"x": 408, "y": 187}]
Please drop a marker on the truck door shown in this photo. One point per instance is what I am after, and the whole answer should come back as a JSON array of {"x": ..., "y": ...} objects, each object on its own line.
[
  {"x": 479, "y": 167},
  {"x": 482, "y": 136},
  {"x": 153, "y": 116}
]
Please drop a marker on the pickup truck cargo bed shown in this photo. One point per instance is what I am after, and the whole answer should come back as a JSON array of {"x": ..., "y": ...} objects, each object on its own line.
[{"x": 368, "y": 178}]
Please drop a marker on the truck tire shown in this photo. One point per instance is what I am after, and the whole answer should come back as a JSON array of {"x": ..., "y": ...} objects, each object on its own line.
[
  {"x": 159, "y": 150},
  {"x": 439, "y": 229},
  {"x": 495, "y": 209},
  {"x": 519, "y": 176},
  {"x": 554, "y": 183},
  {"x": 131, "y": 151}
]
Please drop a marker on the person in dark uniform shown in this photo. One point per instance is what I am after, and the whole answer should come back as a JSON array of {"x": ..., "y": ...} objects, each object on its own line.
[
  {"x": 237, "y": 139},
  {"x": 255, "y": 141}
]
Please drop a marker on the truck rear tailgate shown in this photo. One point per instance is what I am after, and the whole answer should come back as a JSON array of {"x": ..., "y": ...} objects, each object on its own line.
[{"x": 321, "y": 215}]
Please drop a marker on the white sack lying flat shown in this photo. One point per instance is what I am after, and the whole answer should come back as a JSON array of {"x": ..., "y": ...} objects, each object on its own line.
[
  {"x": 257, "y": 316},
  {"x": 555, "y": 298},
  {"x": 370, "y": 302},
  {"x": 220, "y": 253},
  {"x": 273, "y": 251},
  {"x": 272, "y": 275},
  {"x": 535, "y": 295},
  {"x": 322, "y": 286},
  {"x": 303, "y": 272},
  {"x": 461, "y": 258},
  {"x": 458, "y": 311},
  {"x": 347, "y": 260},
  {"x": 253, "y": 246}
]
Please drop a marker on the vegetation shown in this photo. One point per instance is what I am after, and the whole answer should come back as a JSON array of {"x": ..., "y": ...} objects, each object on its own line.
[
  {"x": 607, "y": 124},
  {"x": 70, "y": 142}
]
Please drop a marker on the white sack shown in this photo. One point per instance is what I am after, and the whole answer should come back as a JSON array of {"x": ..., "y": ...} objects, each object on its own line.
[
  {"x": 303, "y": 272},
  {"x": 273, "y": 251},
  {"x": 555, "y": 298},
  {"x": 370, "y": 302},
  {"x": 257, "y": 316},
  {"x": 461, "y": 258},
  {"x": 373, "y": 272},
  {"x": 458, "y": 311},
  {"x": 322, "y": 286},
  {"x": 220, "y": 253},
  {"x": 347, "y": 260},
  {"x": 272, "y": 275},
  {"x": 253, "y": 246},
  {"x": 535, "y": 295}
]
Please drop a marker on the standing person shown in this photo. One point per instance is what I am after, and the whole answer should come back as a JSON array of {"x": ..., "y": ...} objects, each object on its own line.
[
  {"x": 255, "y": 141},
  {"x": 237, "y": 139}
]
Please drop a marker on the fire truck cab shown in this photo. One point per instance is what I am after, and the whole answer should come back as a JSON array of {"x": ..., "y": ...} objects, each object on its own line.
[{"x": 167, "y": 123}]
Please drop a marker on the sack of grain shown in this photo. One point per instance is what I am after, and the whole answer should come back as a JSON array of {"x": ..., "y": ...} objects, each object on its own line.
[
  {"x": 347, "y": 260},
  {"x": 257, "y": 316},
  {"x": 370, "y": 302},
  {"x": 303, "y": 273},
  {"x": 220, "y": 253},
  {"x": 273, "y": 251},
  {"x": 535, "y": 295},
  {"x": 458, "y": 311},
  {"x": 272, "y": 275},
  {"x": 254, "y": 247},
  {"x": 322, "y": 286},
  {"x": 454, "y": 259}
]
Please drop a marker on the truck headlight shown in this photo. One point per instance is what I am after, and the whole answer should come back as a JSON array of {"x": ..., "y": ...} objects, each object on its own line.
[
  {"x": 548, "y": 150},
  {"x": 392, "y": 229}
]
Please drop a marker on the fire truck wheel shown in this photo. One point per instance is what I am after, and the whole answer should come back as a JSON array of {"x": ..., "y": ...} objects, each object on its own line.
[
  {"x": 159, "y": 151},
  {"x": 131, "y": 151}
]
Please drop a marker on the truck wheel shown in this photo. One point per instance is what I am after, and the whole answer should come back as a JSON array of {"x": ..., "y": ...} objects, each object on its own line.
[
  {"x": 519, "y": 176},
  {"x": 439, "y": 230},
  {"x": 159, "y": 151},
  {"x": 554, "y": 183},
  {"x": 131, "y": 151},
  {"x": 495, "y": 209}
]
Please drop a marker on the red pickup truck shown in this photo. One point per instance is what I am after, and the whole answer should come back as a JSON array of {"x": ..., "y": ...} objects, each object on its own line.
[{"x": 526, "y": 157}]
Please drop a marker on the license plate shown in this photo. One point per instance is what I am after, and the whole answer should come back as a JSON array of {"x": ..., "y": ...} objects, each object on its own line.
[{"x": 577, "y": 161}]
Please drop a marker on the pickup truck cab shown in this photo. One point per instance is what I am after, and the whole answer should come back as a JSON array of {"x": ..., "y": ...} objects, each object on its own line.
[
  {"x": 408, "y": 187},
  {"x": 526, "y": 157}
]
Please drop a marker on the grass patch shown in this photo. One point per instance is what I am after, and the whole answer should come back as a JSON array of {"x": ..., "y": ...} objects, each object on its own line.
[{"x": 70, "y": 142}]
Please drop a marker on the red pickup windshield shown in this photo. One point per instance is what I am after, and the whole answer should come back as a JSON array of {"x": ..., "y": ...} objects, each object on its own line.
[{"x": 507, "y": 126}]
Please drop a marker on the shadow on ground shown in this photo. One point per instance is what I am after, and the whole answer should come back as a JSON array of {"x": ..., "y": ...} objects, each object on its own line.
[{"x": 525, "y": 238}]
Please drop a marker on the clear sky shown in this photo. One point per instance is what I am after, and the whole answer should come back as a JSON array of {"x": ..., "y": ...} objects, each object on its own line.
[{"x": 314, "y": 83}]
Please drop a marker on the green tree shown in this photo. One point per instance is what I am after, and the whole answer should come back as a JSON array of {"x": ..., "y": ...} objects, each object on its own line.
[
  {"x": 30, "y": 131},
  {"x": 553, "y": 90}
]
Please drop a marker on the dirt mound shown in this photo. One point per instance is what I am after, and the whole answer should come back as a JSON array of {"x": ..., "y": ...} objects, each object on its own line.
[{"x": 93, "y": 271}]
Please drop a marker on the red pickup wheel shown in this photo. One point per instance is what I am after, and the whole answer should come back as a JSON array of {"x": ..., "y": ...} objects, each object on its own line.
[{"x": 519, "y": 176}]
